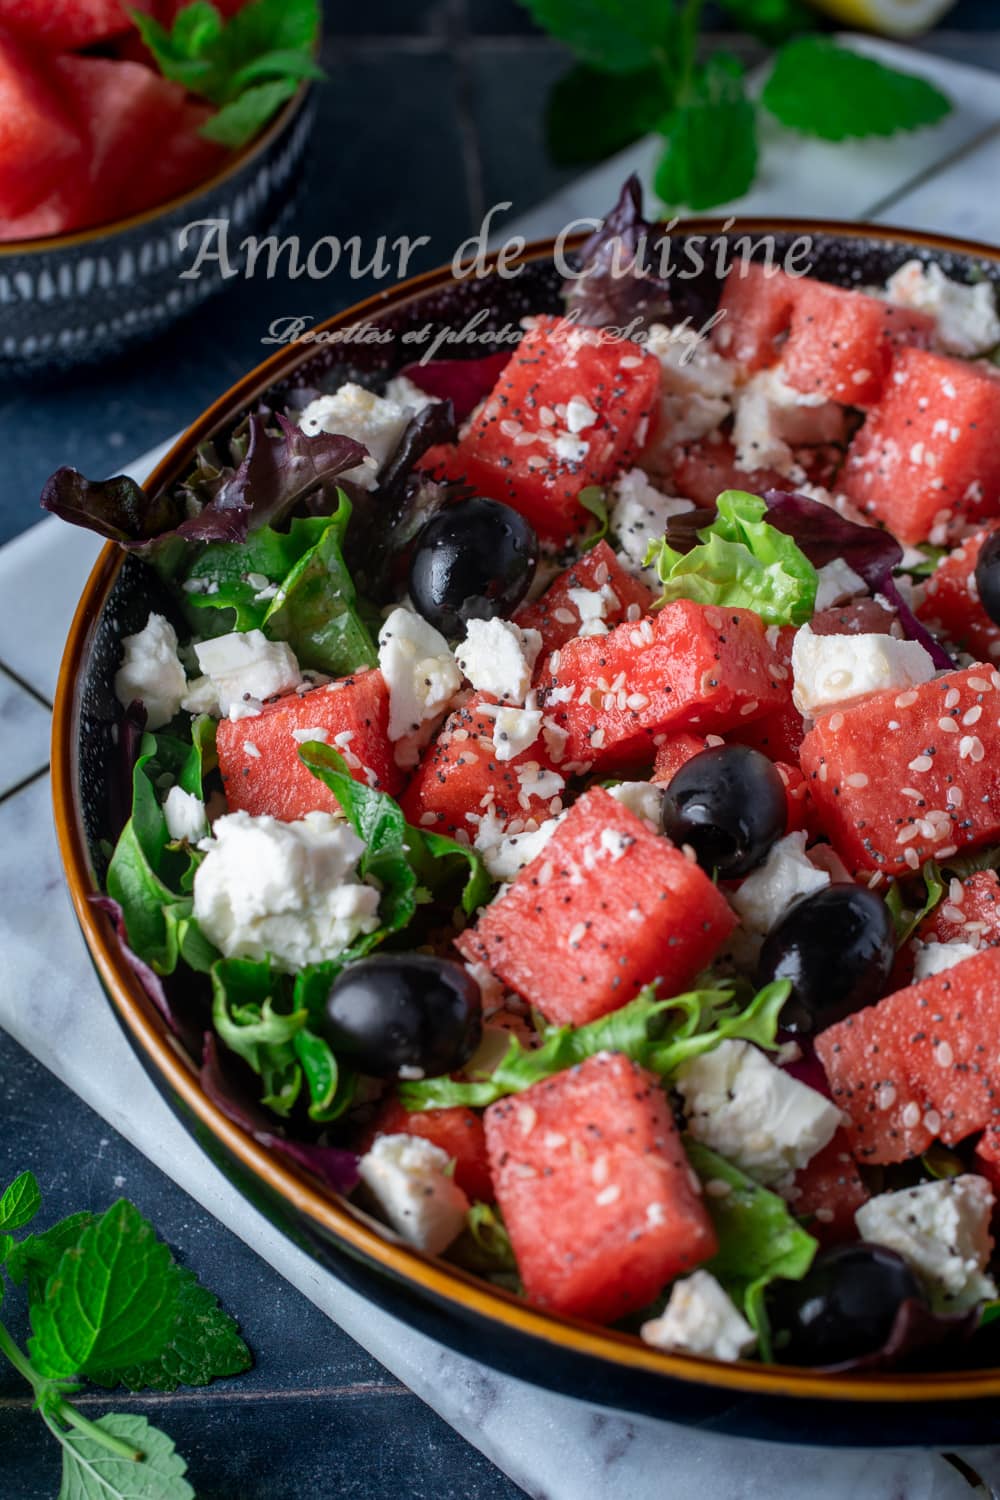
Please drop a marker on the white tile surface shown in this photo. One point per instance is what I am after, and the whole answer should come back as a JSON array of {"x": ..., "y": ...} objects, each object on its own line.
[
  {"x": 24, "y": 735},
  {"x": 963, "y": 201}
]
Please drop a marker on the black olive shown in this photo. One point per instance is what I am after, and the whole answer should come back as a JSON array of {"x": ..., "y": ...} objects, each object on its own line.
[
  {"x": 843, "y": 1308},
  {"x": 988, "y": 576},
  {"x": 405, "y": 1011},
  {"x": 837, "y": 947},
  {"x": 473, "y": 561},
  {"x": 730, "y": 805}
]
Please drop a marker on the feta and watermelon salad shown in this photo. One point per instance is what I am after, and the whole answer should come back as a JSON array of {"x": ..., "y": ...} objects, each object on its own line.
[{"x": 564, "y": 808}]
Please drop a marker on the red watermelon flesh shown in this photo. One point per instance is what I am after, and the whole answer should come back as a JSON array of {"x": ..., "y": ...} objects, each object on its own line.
[
  {"x": 951, "y": 602},
  {"x": 184, "y": 159},
  {"x": 69, "y": 25},
  {"x": 41, "y": 146},
  {"x": 700, "y": 471},
  {"x": 606, "y": 907},
  {"x": 841, "y": 342},
  {"x": 969, "y": 913},
  {"x": 921, "y": 1064},
  {"x": 828, "y": 1191},
  {"x": 459, "y": 1132},
  {"x": 556, "y": 616},
  {"x": 259, "y": 758},
  {"x": 757, "y": 305},
  {"x": 675, "y": 751},
  {"x": 595, "y": 1190}
]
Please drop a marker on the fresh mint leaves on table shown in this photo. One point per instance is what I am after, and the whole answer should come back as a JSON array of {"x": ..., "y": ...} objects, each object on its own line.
[
  {"x": 108, "y": 1304},
  {"x": 248, "y": 66},
  {"x": 641, "y": 69}
]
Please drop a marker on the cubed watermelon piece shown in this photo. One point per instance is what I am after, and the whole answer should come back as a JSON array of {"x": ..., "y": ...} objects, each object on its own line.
[
  {"x": 556, "y": 615},
  {"x": 606, "y": 907},
  {"x": 757, "y": 303},
  {"x": 42, "y": 149},
  {"x": 596, "y": 1192},
  {"x": 69, "y": 25},
  {"x": 777, "y": 734},
  {"x": 951, "y": 603},
  {"x": 700, "y": 471},
  {"x": 570, "y": 409},
  {"x": 259, "y": 758},
  {"x": 900, "y": 778},
  {"x": 969, "y": 913},
  {"x": 459, "y": 1132},
  {"x": 917, "y": 1066},
  {"x": 926, "y": 461},
  {"x": 675, "y": 751},
  {"x": 690, "y": 667},
  {"x": 827, "y": 1192},
  {"x": 460, "y": 780},
  {"x": 841, "y": 342}
]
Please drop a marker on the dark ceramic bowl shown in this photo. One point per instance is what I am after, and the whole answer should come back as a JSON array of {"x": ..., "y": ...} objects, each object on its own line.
[
  {"x": 78, "y": 299},
  {"x": 935, "y": 1409}
]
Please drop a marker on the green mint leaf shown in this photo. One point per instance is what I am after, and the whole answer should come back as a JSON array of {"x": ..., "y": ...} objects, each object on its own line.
[
  {"x": 821, "y": 89},
  {"x": 591, "y": 114},
  {"x": 904, "y": 919},
  {"x": 186, "y": 54},
  {"x": 36, "y": 1257},
  {"x": 6, "y": 1246},
  {"x": 444, "y": 854},
  {"x": 742, "y": 563},
  {"x": 91, "y": 1472},
  {"x": 770, "y": 20},
  {"x": 273, "y": 26},
  {"x": 759, "y": 1239},
  {"x": 205, "y": 1345},
  {"x": 240, "y": 120},
  {"x": 251, "y": 1013},
  {"x": 275, "y": 65},
  {"x": 711, "y": 153},
  {"x": 594, "y": 499},
  {"x": 111, "y": 1300},
  {"x": 21, "y": 1202},
  {"x": 616, "y": 36}
]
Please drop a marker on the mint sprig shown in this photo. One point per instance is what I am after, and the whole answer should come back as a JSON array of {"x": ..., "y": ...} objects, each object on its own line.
[
  {"x": 248, "y": 66},
  {"x": 640, "y": 70},
  {"x": 107, "y": 1302}
]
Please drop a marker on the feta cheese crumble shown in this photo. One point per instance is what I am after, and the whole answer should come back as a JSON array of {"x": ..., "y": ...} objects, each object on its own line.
[
  {"x": 376, "y": 421},
  {"x": 498, "y": 658},
  {"x": 185, "y": 815},
  {"x": 696, "y": 385},
  {"x": 772, "y": 418},
  {"x": 700, "y": 1318},
  {"x": 830, "y": 669},
  {"x": 643, "y": 799},
  {"x": 151, "y": 671},
  {"x": 767, "y": 892},
  {"x": 942, "y": 1230},
  {"x": 240, "y": 671},
  {"x": 405, "y": 392},
  {"x": 638, "y": 515},
  {"x": 515, "y": 730},
  {"x": 967, "y": 321},
  {"x": 287, "y": 889},
  {"x": 505, "y": 855},
  {"x": 933, "y": 958},
  {"x": 838, "y": 583},
  {"x": 757, "y": 1116},
  {"x": 407, "y": 1177},
  {"x": 422, "y": 677}
]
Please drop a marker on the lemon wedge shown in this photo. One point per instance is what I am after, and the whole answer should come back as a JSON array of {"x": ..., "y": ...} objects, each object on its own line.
[{"x": 891, "y": 17}]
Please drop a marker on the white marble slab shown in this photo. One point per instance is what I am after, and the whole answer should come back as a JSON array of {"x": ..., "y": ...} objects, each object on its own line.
[
  {"x": 24, "y": 735},
  {"x": 963, "y": 201}
]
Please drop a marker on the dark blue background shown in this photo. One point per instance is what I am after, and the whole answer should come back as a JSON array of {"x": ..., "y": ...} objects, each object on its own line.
[{"x": 433, "y": 112}]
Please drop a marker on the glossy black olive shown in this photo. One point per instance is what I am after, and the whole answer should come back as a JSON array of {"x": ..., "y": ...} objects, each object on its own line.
[
  {"x": 730, "y": 805},
  {"x": 988, "y": 576},
  {"x": 404, "y": 1012},
  {"x": 843, "y": 1308},
  {"x": 473, "y": 561},
  {"x": 837, "y": 947}
]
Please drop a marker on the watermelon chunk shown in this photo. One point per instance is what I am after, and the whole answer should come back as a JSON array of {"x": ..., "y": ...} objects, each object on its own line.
[
  {"x": 569, "y": 410},
  {"x": 827, "y": 1192},
  {"x": 459, "y": 779},
  {"x": 700, "y": 471},
  {"x": 690, "y": 667},
  {"x": 841, "y": 342},
  {"x": 459, "y": 1132},
  {"x": 605, "y": 908},
  {"x": 918, "y": 1065},
  {"x": 951, "y": 602},
  {"x": 41, "y": 146},
  {"x": 595, "y": 1190},
  {"x": 926, "y": 462},
  {"x": 675, "y": 751},
  {"x": 777, "y": 734},
  {"x": 970, "y": 912},
  {"x": 259, "y": 758},
  {"x": 68, "y": 25},
  {"x": 757, "y": 305},
  {"x": 894, "y": 785},
  {"x": 556, "y": 615}
]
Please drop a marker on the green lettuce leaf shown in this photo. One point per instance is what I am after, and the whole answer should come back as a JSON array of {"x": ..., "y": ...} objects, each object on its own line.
[
  {"x": 594, "y": 499},
  {"x": 759, "y": 1238},
  {"x": 484, "y": 1247},
  {"x": 904, "y": 919},
  {"x": 742, "y": 563},
  {"x": 658, "y": 1034}
]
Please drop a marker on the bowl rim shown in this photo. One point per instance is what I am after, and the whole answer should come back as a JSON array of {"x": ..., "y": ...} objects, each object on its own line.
[
  {"x": 49, "y": 244},
  {"x": 331, "y": 1216}
]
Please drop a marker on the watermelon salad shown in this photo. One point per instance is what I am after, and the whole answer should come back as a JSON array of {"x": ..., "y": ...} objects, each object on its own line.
[
  {"x": 563, "y": 809},
  {"x": 109, "y": 108}
]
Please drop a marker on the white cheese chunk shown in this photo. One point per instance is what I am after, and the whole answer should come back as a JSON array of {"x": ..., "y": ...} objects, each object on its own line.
[
  {"x": 421, "y": 1201},
  {"x": 287, "y": 889},
  {"x": 696, "y": 385},
  {"x": 422, "y": 677},
  {"x": 643, "y": 799},
  {"x": 934, "y": 958},
  {"x": 967, "y": 321},
  {"x": 406, "y": 393},
  {"x": 831, "y": 669},
  {"x": 185, "y": 815},
  {"x": 515, "y": 730},
  {"x": 754, "y": 1114},
  {"x": 375, "y": 421},
  {"x": 593, "y": 606},
  {"x": 767, "y": 892},
  {"x": 772, "y": 418},
  {"x": 505, "y": 855},
  {"x": 700, "y": 1318},
  {"x": 498, "y": 658},
  {"x": 151, "y": 671},
  {"x": 838, "y": 583},
  {"x": 638, "y": 515},
  {"x": 242, "y": 669},
  {"x": 942, "y": 1230}
]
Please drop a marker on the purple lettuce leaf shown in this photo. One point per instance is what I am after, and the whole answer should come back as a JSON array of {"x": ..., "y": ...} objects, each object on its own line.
[
  {"x": 151, "y": 982},
  {"x": 463, "y": 382},
  {"x": 823, "y": 535},
  {"x": 434, "y": 424},
  {"x": 131, "y": 728},
  {"x": 617, "y": 280},
  {"x": 335, "y": 1167}
]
